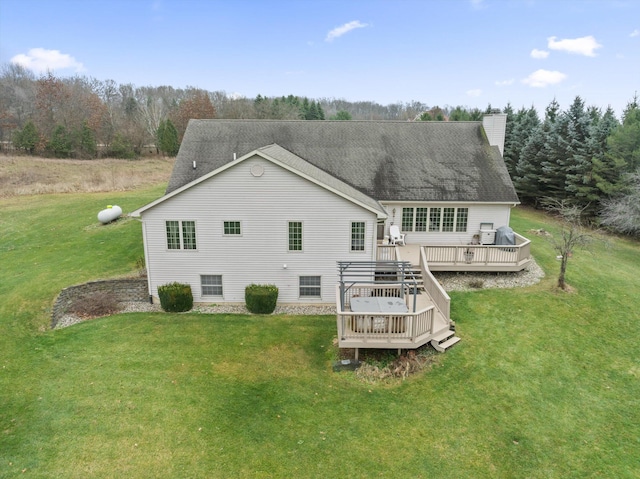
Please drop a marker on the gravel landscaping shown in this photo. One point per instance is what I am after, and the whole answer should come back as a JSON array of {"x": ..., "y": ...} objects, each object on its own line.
[{"x": 450, "y": 282}]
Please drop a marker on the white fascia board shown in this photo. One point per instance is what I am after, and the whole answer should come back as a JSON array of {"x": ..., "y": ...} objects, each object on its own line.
[
  {"x": 137, "y": 213},
  {"x": 379, "y": 213}
]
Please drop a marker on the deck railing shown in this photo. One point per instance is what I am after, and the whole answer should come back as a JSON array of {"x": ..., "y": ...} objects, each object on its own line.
[
  {"x": 431, "y": 285},
  {"x": 373, "y": 325},
  {"x": 386, "y": 253},
  {"x": 479, "y": 255}
]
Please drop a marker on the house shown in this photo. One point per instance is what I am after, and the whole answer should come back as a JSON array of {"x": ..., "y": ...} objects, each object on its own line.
[{"x": 283, "y": 202}]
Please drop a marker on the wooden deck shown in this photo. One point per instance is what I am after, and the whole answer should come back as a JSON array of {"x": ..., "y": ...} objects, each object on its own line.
[
  {"x": 480, "y": 258},
  {"x": 372, "y": 329}
]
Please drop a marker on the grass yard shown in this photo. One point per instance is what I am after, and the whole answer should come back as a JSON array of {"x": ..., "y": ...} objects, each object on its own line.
[{"x": 545, "y": 384}]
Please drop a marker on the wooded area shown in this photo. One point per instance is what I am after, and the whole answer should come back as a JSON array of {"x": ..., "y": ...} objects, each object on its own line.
[{"x": 583, "y": 156}]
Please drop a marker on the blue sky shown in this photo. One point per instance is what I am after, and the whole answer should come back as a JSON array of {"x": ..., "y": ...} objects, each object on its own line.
[{"x": 453, "y": 52}]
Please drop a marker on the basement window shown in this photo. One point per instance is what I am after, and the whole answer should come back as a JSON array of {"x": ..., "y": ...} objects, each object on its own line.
[{"x": 310, "y": 287}]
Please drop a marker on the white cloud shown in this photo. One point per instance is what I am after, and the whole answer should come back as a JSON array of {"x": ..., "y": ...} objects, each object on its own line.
[
  {"x": 505, "y": 82},
  {"x": 539, "y": 54},
  {"x": 543, "y": 78},
  {"x": 478, "y": 4},
  {"x": 475, "y": 92},
  {"x": 346, "y": 28},
  {"x": 580, "y": 46},
  {"x": 635, "y": 33},
  {"x": 40, "y": 60}
]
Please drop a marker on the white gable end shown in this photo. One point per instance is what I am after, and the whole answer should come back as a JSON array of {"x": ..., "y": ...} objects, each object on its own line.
[{"x": 263, "y": 197}]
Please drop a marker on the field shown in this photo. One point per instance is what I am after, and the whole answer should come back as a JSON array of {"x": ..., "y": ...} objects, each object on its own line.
[
  {"x": 545, "y": 384},
  {"x": 25, "y": 175}
]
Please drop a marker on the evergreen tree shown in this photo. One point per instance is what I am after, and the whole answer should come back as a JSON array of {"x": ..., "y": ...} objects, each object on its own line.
[
  {"x": 624, "y": 143},
  {"x": 60, "y": 144},
  {"x": 341, "y": 115},
  {"x": 599, "y": 175},
  {"x": 577, "y": 162},
  {"x": 167, "y": 137},
  {"x": 524, "y": 124},
  {"x": 27, "y": 138},
  {"x": 87, "y": 146},
  {"x": 529, "y": 174}
]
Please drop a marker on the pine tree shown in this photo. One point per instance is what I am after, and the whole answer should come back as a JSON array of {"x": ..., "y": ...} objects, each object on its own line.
[
  {"x": 27, "y": 138},
  {"x": 87, "y": 146},
  {"x": 530, "y": 176},
  {"x": 60, "y": 144}
]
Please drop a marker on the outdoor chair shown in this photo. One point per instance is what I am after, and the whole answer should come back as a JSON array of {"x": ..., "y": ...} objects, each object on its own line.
[{"x": 395, "y": 237}]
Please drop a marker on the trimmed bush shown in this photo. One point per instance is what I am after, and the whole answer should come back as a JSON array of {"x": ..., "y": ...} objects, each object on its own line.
[
  {"x": 261, "y": 298},
  {"x": 175, "y": 297}
]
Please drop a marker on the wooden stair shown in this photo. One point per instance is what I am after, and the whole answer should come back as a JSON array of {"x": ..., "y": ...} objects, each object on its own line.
[
  {"x": 416, "y": 274},
  {"x": 444, "y": 340}
]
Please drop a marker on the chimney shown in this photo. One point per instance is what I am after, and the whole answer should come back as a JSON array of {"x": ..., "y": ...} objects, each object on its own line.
[{"x": 495, "y": 126}]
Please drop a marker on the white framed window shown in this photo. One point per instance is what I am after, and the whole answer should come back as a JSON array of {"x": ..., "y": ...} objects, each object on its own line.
[
  {"x": 462, "y": 217},
  {"x": 435, "y": 219},
  {"x": 357, "y": 235},
  {"x": 211, "y": 284},
  {"x": 407, "y": 219},
  {"x": 181, "y": 234},
  {"x": 295, "y": 235},
  {"x": 422, "y": 219},
  {"x": 448, "y": 219},
  {"x": 232, "y": 228},
  {"x": 310, "y": 287}
]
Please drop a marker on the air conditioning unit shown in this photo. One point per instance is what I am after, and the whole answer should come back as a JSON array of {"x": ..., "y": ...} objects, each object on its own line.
[{"x": 487, "y": 236}]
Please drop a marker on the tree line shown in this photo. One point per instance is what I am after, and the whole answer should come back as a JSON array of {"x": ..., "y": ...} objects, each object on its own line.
[{"x": 582, "y": 156}]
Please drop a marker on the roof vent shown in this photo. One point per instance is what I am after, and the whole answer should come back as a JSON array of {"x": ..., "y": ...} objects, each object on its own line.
[{"x": 194, "y": 164}]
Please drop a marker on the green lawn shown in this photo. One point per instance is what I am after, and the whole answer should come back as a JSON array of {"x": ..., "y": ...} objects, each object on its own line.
[{"x": 543, "y": 385}]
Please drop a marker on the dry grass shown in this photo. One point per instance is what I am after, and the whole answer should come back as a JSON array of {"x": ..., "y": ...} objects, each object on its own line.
[{"x": 28, "y": 175}]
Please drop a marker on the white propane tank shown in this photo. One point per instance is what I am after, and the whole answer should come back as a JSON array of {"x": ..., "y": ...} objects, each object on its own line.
[{"x": 111, "y": 213}]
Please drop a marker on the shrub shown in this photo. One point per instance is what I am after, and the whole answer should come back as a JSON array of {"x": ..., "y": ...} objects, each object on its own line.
[
  {"x": 175, "y": 297},
  {"x": 261, "y": 298},
  {"x": 93, "y": 305}
]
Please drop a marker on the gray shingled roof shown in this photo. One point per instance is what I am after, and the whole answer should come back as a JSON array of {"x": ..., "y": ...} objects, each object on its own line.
[
  {"x": 299, "y": 165},
  {"x": 386, "y": 160}
]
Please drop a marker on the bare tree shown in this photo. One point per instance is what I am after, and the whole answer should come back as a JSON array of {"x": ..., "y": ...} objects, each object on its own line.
[
  {"x": 573, "y": 233},
  {"x": 623, "y": 212}
]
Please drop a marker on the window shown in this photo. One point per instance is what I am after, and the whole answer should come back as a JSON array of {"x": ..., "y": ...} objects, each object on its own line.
[
  {"x": 422, "y": 215},
  {"x": 232, "y": 228},
  {"x": 461, "y": 220},
  {"x": 181, "y": 237},
  {"x": 434, "y": 219},
  {"x": 357, "y": 236},
  {"x": 448, "y": 218},
  {"x": 173, "y": 234},
  {"x": 310, "y": 287},
  {"x": 407, "y": 219},
  {"x": 189, "y": 234},
  {"x": 295, "y": 235},
  {"x": 211, "y": 284}
]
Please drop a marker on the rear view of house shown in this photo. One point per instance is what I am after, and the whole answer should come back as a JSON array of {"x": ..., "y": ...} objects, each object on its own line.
[{"x": 283, "y": 202}]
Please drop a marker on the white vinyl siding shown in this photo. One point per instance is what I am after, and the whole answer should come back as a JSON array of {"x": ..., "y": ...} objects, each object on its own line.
[{"x": 264, "y": 206}]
